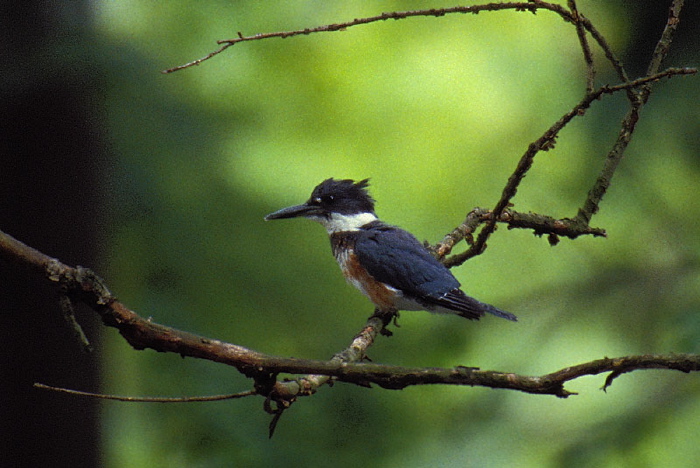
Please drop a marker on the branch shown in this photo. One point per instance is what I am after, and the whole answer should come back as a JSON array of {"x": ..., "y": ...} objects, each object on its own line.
[
  {"x": 629, "y": 123},
  {"x": 131, "y": 399},
  {"x": 531, "y": 6},
  {"x": 544, "y": 224},
  {"x": 587, "y": 55},
  {"x": 82, "y": 284},
  {"x": 580, "y": 223},
  {"x": 397, "y": 378},
  {"x": 664, "y": 43},
  {"x": 540, "y": 224}
]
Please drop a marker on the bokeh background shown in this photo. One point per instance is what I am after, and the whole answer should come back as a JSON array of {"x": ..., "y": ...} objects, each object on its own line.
[{"x": 160, "y": 183}]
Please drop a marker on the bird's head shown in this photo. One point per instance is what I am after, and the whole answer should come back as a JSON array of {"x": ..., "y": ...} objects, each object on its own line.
[{"x": 339, "y": 205}]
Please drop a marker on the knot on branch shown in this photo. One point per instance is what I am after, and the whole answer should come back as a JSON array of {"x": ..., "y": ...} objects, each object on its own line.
[{"x": 80, "y": 282}]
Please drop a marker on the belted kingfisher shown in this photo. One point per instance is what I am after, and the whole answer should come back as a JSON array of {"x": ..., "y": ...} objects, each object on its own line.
[{"x": 387, "y": 264}]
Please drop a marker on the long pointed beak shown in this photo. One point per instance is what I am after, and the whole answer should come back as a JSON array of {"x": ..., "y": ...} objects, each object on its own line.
[{"x": 291, "y": 212}]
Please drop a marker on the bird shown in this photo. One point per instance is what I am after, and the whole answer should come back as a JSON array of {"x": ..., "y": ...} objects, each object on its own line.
[{"x": 386, "y": 263}]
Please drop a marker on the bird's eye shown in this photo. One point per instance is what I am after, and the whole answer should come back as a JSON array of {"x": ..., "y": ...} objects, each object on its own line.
[{"x": 328, "y": 198}]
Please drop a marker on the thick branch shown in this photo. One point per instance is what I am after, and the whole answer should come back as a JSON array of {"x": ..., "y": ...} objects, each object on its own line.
[{"x": 141, "y": 333}]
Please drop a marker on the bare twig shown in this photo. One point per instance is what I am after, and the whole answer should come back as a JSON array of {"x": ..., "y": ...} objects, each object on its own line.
[
  {"x": 68, "y": 310},
  {"x": 309, "y": 384},
  {"x": 540, "y": 225},
  {"x": 132, "y": 399},
  {"x": 664, "y": 43},
  {"x": 281, "y": 394},
  {"x": 607, "y": 50},
  {"x": 531, "y": 6},
  {"x": 198, "y": 61},
  {"x": 587, "y": 56}
]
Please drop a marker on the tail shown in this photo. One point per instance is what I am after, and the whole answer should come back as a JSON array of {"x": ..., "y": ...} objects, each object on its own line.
[
  {"x": 457, "y": 302},
  {"x": 498, "y": 312}
]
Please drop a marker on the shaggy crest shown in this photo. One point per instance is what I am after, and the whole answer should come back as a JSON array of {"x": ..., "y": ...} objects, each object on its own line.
[{"x": 343, "y": 196}]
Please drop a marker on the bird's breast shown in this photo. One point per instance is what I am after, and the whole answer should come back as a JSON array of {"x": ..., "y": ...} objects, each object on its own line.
[{"x": 382, "y": 295}]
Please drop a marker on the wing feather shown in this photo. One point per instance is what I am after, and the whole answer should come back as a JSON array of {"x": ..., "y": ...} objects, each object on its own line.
[{"x": 395, "y": 257}]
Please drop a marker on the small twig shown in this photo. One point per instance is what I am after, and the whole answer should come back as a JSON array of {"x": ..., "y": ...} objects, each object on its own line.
[
  {"x": 68, "y": 310},
  {"x": 587, "y": 55},
  {"x": 132, "y": 399},
  {"x": 198, "y": 61},
  {"x": 540, "y": 225},
  {"x": 607, "y": 50},
  {"x": 356, "y": 352},
  {"x": 664, "y": 44},
  {"x": 531, "y": 6}
]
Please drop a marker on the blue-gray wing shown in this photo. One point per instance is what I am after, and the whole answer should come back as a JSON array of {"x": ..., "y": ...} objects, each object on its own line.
[{"x": 395, "y": 257}]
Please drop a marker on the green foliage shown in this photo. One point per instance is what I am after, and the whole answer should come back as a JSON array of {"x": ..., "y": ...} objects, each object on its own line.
[{"x": 437, "y": 112}]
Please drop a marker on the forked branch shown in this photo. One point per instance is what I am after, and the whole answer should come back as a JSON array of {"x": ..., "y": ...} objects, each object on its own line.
[{"x": 542, "y": 224}]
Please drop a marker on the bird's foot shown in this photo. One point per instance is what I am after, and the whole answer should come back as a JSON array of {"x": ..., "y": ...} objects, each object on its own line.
[{"x": 387, "y": 317}]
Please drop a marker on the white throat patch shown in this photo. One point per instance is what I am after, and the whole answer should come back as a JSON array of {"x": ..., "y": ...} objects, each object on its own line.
[{"x": 343, "y": 223}]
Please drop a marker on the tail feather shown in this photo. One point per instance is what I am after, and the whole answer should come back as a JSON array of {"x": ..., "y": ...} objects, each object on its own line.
[
  {"x": 470, "y": 308},
  {"x": 498, "y": 312}
]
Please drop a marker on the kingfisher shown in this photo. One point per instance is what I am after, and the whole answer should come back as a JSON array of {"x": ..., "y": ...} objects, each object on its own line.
[{"x": 387, "y": 264}]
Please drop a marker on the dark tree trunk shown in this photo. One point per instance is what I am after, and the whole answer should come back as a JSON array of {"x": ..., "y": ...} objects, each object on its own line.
[{"x": 50, "y": 153}]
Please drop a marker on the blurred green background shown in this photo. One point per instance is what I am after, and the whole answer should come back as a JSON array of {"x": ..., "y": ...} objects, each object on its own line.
[{"x": 437, "y": 112}]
